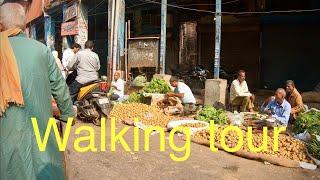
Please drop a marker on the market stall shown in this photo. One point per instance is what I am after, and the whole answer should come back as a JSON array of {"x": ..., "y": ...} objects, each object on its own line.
[{"x": 290, "y": 151}]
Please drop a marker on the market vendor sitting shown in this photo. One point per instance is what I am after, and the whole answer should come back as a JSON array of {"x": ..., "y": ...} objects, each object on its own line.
[
  {"x": 295, "y": 99},
  {"x": 117, "y": 87},
  {"x": 240, "y": 94},
  {"x": 183, "y": 92},
  {"x": 279, "y": 108}
]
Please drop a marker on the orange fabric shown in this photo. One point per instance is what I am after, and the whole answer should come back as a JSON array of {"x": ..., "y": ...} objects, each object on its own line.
[
  {"x": 10, "y": 86},
  {"x": 296, "y": 103},
  {"x": 36, "y": 9}
]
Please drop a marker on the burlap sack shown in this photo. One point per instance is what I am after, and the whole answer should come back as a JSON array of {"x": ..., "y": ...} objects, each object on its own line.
[{"x": 311, "y": 97}]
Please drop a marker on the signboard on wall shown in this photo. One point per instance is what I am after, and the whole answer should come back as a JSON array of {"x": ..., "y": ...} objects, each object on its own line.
[
  {"x": 143, "y": 52},
  {"x": 70, "y": 12},
  {"x": 69, "y": 28}
]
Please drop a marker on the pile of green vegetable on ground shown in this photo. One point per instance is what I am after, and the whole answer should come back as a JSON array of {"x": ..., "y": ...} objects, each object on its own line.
[
  {"x": 309, "y": 121},
  {"x": 139, "y": 81},
  {"x": 314, "y": 148},
  {"x": 135, "y": 98},
  {"x": 157, "y": 86},
  {"x": 209, "y": 113}
]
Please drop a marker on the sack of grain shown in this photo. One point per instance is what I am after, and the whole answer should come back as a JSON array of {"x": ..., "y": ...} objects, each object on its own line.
[{"x": 311, "y": 97}]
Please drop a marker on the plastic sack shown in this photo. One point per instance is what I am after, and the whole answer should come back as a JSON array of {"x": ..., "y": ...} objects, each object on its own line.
[
  {"x": 305, "y": 136},
  {"x": 236, "y": 118}
]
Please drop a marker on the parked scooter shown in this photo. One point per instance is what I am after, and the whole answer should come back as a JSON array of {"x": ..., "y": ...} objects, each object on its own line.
[{"x": 92, "y": 102}]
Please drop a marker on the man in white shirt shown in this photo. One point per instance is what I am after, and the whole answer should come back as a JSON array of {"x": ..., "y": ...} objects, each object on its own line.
[
  {"x": 183, "y": 92},
  {"x": 69, "y": 53},
  {"x": 240, "y": 94},
  {"x": 118, "y": 87}
]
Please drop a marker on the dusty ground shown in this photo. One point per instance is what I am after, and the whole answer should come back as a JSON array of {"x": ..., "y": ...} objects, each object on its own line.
[{"x": 202, "y": 164}]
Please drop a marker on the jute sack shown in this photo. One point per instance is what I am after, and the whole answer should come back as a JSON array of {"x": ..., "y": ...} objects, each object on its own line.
[{"x": 311, "y": 97}]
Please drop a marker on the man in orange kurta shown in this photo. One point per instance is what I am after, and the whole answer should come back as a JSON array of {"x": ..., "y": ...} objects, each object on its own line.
[{"x": 294, "y": 98}]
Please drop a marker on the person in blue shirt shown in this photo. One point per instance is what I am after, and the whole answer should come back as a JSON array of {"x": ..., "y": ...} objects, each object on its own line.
[{"x": 279, "y": 108}]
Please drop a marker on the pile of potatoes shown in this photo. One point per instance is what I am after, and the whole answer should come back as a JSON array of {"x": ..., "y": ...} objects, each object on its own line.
[
  {"x": 148, "y": 115},
  {"x": 289, "y": 148}
]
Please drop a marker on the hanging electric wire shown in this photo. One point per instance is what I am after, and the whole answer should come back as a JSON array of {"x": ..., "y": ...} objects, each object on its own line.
[{"x": 235, "y": 13}]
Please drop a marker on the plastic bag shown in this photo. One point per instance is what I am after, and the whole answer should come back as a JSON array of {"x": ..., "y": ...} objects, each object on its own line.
[{"x": 236, "y": 118}]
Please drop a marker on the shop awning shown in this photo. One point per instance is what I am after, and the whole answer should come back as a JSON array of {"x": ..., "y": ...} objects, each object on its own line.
[{"x": 36, "y": 9}]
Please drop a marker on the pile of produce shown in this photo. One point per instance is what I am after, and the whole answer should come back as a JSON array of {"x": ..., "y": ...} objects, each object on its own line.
[
  {"x": 139, "y": 81},
  {"x": 148, "y": 115},
  {"x": 309, "y": 121},
  {"x": 314, "y": 148},
  {"x": 135, "y": 98},
  {"x": 157, "y": 86},
  {"x": 289, "y": 147},
  {"x": 209, "y": 113}
]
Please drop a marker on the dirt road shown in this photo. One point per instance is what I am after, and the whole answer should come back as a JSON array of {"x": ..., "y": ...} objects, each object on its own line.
[{"x": 202, "y": 163}]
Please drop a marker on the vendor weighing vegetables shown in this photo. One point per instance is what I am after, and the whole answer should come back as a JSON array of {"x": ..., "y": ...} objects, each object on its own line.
[
  {"x": 183, "y": 92},
  {"x": 279, "y": 108}
]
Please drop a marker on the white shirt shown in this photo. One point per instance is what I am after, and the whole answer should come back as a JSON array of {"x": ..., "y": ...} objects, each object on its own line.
[
  {"x": 66, "y": 57},
  {"x": 120, "y": 87},
  {"x": 238, "y": 89},
  {"x": 187, "y": 93},
  {"x": 87, "y": 64}
]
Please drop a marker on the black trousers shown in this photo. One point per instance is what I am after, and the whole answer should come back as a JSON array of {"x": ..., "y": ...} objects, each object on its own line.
[{"x": 74, "y": 88}]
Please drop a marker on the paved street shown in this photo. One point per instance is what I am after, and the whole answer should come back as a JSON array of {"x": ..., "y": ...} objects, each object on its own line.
[{"x": 202, "y": 164}]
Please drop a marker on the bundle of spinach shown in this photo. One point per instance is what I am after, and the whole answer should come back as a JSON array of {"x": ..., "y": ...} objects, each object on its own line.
[
  {"x": 309, "y": 121},
  {"x": 314, "y": 148},
  {"x": 209, "y": 113},
  {"x": 157, "y": 86}
]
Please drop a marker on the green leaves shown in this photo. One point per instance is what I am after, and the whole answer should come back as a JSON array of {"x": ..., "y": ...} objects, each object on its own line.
[
  {"x": 157, "y": 86},
  {"x": 210, "y": 113},
  {"x": 309, "y": 121},
  {"x": 135, "y": 98},
  {"x": 314, "y": 148}
]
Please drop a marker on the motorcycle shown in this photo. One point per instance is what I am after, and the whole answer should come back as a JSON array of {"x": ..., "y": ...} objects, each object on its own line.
[
  {"x": 225, "y": 73},
  {"x": 195, "y": 77},
  {"x": 92, "y": 102}
]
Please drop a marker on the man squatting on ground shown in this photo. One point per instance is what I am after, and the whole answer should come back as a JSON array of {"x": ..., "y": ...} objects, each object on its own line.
[
  {"x": 183, "y": 92},
  {"x": 240, "y": 94}
]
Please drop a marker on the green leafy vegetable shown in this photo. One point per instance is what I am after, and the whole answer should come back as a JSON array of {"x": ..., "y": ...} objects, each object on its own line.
[
  {"x": 309, "y": 121},
  {"x": 314, "y": 148},
  {"x": 157, "y": 86},
  {"x": 135, "y": 98},
  {"x": 139, "y": 81},
  {"x": 210, "y": 113}
]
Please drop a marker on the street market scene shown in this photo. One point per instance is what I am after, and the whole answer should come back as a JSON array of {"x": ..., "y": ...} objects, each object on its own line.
[{"x": 159, "y": 89}]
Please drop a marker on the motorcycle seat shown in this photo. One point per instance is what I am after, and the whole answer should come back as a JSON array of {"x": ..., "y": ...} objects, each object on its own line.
[{"x": 91, "y": 82}]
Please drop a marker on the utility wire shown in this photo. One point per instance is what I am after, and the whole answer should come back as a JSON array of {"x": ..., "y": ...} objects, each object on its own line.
[
  {"x": 185, "y": 5},
  {"x": 97, "y": 6},
  {"x": 235, "y": 13},
  {"x": 192, "y": 9},
  {"x": 209, "y": 4}
]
